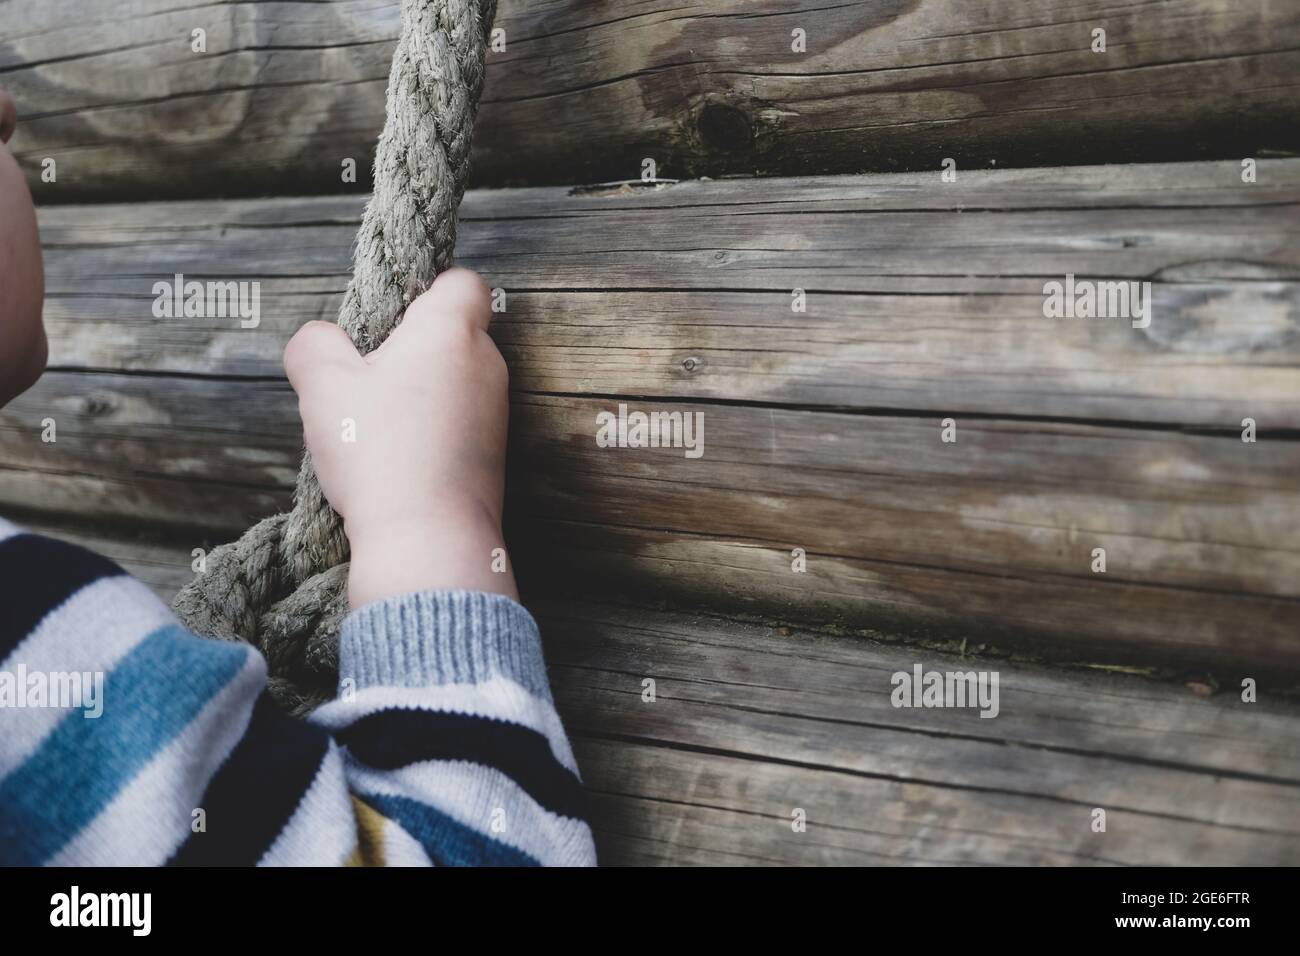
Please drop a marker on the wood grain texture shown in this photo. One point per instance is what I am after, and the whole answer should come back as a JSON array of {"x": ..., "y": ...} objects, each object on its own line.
[
  {"x": 822, "y": 428},
  {"x": 920, "y": 295},
  {"x": 750, "y": 722},
  {"x": 992, "y": 542},
  {"x": 584, "y": 91}
]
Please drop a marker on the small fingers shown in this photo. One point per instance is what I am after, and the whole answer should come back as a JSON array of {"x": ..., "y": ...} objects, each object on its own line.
[{"x": 456, "y": 295}]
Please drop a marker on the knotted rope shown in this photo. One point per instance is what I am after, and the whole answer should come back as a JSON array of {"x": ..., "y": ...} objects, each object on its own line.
[{"x": 282, "y": 586}]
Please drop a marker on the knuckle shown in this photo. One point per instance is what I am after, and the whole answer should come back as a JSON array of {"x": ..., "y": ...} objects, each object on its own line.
[
  {"x": 304, "y": 343},
  {"x": 465, "y": 293},
  {"x": 300, "y": 337},
  {"x": 467, "y": 284}
]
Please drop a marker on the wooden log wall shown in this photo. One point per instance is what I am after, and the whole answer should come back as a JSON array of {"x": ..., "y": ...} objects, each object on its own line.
[
  {"x": 822, "y": 428},
  {"x": 584, "y": 91},
  {"x": 922, "y": 301}
]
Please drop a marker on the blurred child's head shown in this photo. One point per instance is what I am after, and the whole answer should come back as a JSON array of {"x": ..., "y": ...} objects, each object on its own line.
[{"x": 22, "y": 280}]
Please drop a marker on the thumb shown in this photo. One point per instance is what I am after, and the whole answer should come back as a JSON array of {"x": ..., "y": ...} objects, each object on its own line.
[{"x": 315, "y": 348}]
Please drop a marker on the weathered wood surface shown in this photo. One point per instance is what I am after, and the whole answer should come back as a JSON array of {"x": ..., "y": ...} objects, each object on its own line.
[
  {"x": 584, "y": 91},
  {"x": 921, "y": 295},
  {"x": 822, "y": 429},
  {"x": 749, "y": 723}
]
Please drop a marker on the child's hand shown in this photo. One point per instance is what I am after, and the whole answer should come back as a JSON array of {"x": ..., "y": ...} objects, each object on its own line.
[{"x": 409, "y": 442}]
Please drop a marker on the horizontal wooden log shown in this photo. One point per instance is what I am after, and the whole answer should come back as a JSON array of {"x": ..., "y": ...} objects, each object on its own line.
[
  {"x": 919, "y": 296},
  {"x": 822, "y": 429},
  {"x": 749, "y": 722},
  {"x": 656, "y": 806},
  {"x": 285, "y": 92}
]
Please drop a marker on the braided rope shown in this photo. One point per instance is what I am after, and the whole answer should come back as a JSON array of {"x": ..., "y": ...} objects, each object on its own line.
[{"x": 282, "y": 586}]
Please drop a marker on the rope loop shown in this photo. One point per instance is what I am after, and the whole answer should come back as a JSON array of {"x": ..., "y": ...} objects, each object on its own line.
[{"x": 282, "y": 587}]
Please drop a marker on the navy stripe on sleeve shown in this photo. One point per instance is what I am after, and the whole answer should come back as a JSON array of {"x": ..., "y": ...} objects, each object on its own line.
[
  {"x": 447, "y": 842},
  {"x": 251, "y": 798},
  {"x": 393, "y": 738},
  {"x": 39, "y": 574}
]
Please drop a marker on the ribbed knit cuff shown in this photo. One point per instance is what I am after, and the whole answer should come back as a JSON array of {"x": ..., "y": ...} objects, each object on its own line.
[{"x": 432, "y": 638}]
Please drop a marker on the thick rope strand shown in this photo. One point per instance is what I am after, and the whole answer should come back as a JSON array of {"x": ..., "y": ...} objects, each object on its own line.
[{"x": 282, "y": 586}]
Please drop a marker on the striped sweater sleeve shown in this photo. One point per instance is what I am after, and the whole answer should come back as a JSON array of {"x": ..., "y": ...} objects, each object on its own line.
[{"x": 126, "y": 740}]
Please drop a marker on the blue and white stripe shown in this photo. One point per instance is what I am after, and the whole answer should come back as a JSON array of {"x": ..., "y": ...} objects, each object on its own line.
[{"x": 445, "y": 728}]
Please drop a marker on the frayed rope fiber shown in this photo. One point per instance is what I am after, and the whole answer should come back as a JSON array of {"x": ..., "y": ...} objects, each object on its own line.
[{"x": 282, "y": 587}]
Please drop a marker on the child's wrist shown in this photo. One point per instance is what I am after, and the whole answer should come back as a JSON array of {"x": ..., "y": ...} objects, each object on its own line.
[{"x": 436, "y": 549}]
